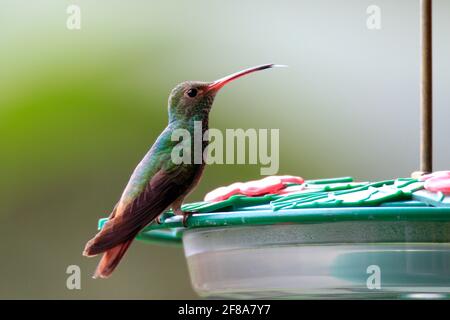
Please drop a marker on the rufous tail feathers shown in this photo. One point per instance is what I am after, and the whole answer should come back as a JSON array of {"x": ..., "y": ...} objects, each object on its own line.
[{"x": 111, "y": 259}]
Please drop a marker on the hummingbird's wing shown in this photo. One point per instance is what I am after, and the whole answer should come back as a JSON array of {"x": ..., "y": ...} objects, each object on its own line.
[
  {"x": 156, "y": 183},
  {"x": 164, "y": 187}
]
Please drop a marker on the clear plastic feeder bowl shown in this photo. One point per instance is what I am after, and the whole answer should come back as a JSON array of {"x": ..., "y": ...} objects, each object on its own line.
[{"x": 355, "y": 259}]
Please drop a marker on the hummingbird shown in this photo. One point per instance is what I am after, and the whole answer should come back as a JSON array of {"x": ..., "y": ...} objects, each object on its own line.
[{"x": 158, "y": 184}]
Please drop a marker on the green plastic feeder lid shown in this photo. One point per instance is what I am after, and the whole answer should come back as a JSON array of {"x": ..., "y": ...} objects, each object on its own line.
[{"x": 322, "y": 201}]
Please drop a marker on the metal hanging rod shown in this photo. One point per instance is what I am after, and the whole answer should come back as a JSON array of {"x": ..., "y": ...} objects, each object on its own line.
[{"x": 426, "y": 87}]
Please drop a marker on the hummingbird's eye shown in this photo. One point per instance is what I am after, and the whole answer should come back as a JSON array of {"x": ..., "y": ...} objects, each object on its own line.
[{"x": 192, "y": 93}]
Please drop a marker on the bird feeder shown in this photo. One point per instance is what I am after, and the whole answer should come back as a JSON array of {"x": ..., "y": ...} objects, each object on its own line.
[{"x": 329, "y": 238}]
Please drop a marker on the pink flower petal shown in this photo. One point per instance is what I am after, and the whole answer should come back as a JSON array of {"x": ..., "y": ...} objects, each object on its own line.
[
  {"x": 438, "y": 184},
  {"x": 291, "y": 179},
  {"x": 223, "y": 193},
  {"x": 271, "y": 184},
  {"x": 437, "y": 174},
  {"x": 260, "y": 187},
  {"x": 291, "y": 189}
]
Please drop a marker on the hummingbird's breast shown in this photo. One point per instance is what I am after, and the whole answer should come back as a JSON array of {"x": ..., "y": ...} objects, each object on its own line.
[{"x": 160, "y": 157}]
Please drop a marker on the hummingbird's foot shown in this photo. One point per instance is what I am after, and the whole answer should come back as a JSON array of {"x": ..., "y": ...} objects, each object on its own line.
[
  {"x": 185, "y": 214},
  {"x": 158, "y": 220},
  {"x": 185, "y": 219}
]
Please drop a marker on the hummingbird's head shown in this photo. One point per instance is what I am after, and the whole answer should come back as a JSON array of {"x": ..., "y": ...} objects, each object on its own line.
[
  {"x": 190, "y": 98},
  {"x": 195, "y": 98}
]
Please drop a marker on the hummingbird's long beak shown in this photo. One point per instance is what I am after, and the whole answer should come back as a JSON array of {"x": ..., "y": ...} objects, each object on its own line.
[{"x": 216, "y": 85}]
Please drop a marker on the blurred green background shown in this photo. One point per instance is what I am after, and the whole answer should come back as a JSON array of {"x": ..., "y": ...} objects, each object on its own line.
[{"x": 79, "y": 109}]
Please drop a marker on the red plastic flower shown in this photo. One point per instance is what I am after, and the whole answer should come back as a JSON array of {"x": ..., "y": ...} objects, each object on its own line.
[
  {"x": 268, "y": 185},
  {"x": 438, "y": 181}
]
